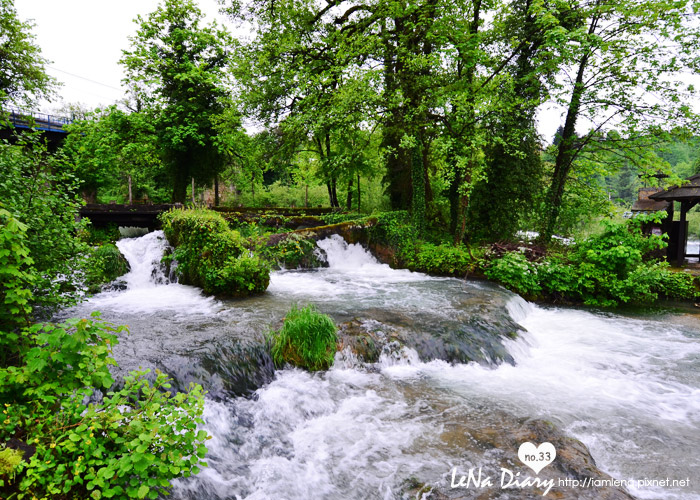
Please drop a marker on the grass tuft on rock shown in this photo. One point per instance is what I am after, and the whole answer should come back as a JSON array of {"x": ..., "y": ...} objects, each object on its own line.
[{"x": 307, "y": 339}]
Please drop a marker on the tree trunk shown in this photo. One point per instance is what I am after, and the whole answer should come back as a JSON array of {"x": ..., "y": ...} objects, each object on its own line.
[
  {"x": 330, "y": 193},
  {"x": 359, "y": 193},
  {"x": 462, "y": 206},
  {"x": 131, "y": 197},
  {"x": 216, "y": 190},
  {"x": 180, "y": 187},
  {"x": 348, "y": 201},
  {"x": 566, "y": 150},
  {"x": 193, "y": 201},
  {"x": 334, "y": 193},
  {"x": 306, "y": 196}
]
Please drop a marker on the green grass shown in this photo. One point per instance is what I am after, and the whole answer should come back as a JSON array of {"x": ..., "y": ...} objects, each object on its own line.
[{"x": 307, "y": 339}]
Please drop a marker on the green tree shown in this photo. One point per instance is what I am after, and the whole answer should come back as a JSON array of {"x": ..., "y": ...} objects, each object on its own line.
[
  {"x": 115, "y": 150},
  {"x": 177, "y": 68},
  {"x": 23, "y": 78},
  {"x": 624, "y": 62}
]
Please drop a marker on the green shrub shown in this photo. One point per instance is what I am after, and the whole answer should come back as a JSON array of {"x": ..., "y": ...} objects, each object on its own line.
[
  {"x": 604, "y": 270},
  {"x": 677, "y": 285},
  {"x": 40, "y": 190},
  {"x": 396, "y": 230},
  {"x": 104, "y": 264},
  {"x": 442, "y": 259},
  {"x": 237, "y": 276},
  {"x": 9, "y": 464},
  {"x": 307, "y": 339},
  {"x": 292, "y": 252},
  {"x": 127, "y": 444},
  {"x": 100, "y": 235},
  {"x": 213, "y": 256},
  {"x": 515, "y": 272}
]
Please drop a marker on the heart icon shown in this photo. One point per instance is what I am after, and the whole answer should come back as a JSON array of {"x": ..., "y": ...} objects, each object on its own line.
[{"x": 537, "y": 457}]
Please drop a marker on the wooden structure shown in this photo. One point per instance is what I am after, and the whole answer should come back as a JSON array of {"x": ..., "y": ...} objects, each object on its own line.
[
  {"x": 124, "y": 215},
  {"x": 146, "y": 215},
  {"x": 688, "y": 195}
]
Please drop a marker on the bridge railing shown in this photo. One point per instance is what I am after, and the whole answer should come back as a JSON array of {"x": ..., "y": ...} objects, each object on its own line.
[{"x": 22, "y": 118}]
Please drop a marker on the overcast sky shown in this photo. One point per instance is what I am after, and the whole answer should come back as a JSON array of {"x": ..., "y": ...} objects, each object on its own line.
[{"x": 84, "y": 40}]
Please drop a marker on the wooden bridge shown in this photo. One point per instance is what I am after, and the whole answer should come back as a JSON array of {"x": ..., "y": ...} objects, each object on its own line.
[{"x": 147, "y": 215}]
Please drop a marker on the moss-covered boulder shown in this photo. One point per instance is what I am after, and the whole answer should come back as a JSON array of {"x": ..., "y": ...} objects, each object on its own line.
[
  {"x": 104, "y": 264},
  {"x": 212, "y": 256}
]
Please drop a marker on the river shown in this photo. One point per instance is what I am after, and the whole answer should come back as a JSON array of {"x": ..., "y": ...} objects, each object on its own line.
[{"x": 626, "y": 385}]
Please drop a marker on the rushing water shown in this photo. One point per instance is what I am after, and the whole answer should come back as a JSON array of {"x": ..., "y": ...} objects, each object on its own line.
[{"x": 628, "y": 387}]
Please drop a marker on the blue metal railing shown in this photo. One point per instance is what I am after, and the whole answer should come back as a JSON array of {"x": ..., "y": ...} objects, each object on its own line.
[{"x": 22, "y": 118}]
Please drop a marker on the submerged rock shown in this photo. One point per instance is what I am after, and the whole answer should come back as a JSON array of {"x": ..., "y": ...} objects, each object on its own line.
[
  {"x": 488, "y": 443},
  {"x": 472, "y": 339},
  {"x": 224, "y": 369}
]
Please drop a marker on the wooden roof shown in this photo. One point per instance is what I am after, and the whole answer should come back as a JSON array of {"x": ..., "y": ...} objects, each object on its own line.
[
  {"x": 650, "y": 206},
  {"x": 644, "y": 204},
  {"x": 689, "y": 191}
]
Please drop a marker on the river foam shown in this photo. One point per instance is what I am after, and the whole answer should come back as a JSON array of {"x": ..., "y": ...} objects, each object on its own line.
[
  {"x": 628, "y": 387},
  {"x": 148, "y": 289}
]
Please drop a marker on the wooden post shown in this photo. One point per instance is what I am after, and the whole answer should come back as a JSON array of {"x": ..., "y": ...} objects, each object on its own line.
[
  {"x": 216, "y": 190},
  {"x": 680, "y": 258}
]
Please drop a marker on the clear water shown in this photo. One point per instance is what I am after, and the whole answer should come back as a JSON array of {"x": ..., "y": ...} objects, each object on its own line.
[{"x": 628, "y": 387}]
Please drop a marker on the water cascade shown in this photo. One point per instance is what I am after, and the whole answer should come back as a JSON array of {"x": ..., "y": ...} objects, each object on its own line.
[{"x": 628, "y": 387}]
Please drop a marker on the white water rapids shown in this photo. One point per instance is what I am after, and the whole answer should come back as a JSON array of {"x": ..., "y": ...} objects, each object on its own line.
[{"x": 628, "y": 387}]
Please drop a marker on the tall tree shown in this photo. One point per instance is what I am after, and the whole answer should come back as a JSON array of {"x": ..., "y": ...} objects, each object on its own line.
[
  {"x": 513, "y": 165},
  {"x": 113, "y": 149},
  {"x": 624, "y": 62},
  {"x": 177, "y": 68},
  {"x": 23, "y": 78}
]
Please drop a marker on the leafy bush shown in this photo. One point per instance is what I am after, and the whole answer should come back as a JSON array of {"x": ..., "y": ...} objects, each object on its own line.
[
  {"x": 105, "y": 264},
  {"x": 100, "y": 235},
  {"x": 127, "y": 444},
  {"x": 514, "y": 271},
  {"x": 442, "y": 259},
  {"x": 41, "y": 190},
  {"x": 16, "y": 279},
  {"x": 307, "y": 339},
  {"x": 396, "y": 230},
  {"x": 9, "y": 464},
  {"x": 604, "y": 270},
  {"x": 292, "y": 252},
  {"x": 211, "y": 255}
]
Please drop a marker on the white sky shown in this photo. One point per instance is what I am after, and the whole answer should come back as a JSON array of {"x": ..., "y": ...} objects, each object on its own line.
[{"x": 84, "y": 40}]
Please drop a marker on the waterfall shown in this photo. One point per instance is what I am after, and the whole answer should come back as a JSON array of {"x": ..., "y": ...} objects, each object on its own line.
[
  {"x": 144, "y": 255},
  {"x": 148, "y": 289}
]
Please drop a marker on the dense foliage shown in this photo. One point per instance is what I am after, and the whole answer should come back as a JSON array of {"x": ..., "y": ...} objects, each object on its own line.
[
  {"x": 23, "y": 77},
  {"x": 105, "y": 263},
  {"x": 612, "y": 268},
  {"x": 115, "y": 154},
  {"x": 211, "y": 255},
  {"x": 307, "y": 339},
  {"x": 176, "y": 67},
  {"x": 75, "y": 442},
  {"x": 41, "y": 190}
]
